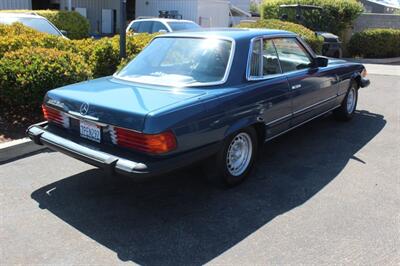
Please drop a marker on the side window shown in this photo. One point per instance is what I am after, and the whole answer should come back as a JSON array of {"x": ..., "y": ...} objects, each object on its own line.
[
  {"x": 145, "y": 26},
  {"x": 270, "y": 59},
  {"x": 264, "y": 59},
  {"x": 157, "y": 26},
  {"x": 135, "y": 26},
  {"x": 292, "y": 55},
  {"x": 255, "y": 62}
]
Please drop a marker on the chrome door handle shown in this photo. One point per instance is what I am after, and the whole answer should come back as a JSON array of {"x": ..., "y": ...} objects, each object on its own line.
[{"x": 295, "y": 87}]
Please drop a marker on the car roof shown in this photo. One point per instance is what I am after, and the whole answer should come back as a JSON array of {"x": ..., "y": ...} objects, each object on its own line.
[
  {"x": 163, "y": 20},
  {"x": 20, "y": 15},
  {"x": 231, "y": 33}
]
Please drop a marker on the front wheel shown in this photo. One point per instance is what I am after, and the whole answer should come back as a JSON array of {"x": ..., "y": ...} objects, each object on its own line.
[
  {"x": 346, "y": 110},
  {"x": 234, "y": 162}
]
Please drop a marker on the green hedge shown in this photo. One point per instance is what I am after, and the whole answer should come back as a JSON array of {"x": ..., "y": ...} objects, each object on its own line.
[
  {"x": 101, "y": 55},
  {"x": 307, "y": 34},
  {"x": 31, "y": 63},
  {"x": 18, "y": 36},
  {"x": 15, "y": 29},
  {"x": 28, "y": 73},
  {"x": 335, "y": 16},
  {"x": 77, "y": 26},
  {"x": 375, "y": 43}
]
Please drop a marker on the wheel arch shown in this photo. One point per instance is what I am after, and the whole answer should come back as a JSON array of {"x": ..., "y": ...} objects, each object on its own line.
[
  {"x": 243, "y": 123},
  {"x": 356, "y": 77}
]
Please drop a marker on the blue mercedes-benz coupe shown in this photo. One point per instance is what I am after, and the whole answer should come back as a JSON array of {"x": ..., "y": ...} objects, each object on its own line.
[{"x": 189, "y": 96}]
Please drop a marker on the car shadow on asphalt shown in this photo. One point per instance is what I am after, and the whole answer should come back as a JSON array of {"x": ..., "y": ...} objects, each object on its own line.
[{"x": 179, "y": 219}]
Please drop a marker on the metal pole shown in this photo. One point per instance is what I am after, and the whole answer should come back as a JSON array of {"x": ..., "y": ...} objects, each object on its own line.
[
  {"x": 122, "y": 26},
  {"x": 69, "y": 5}
]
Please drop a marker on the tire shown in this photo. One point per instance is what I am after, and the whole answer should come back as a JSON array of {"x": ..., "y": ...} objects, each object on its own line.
[
  {"x": 346, "y": 110},
  {"x": 228, "y": 167}
]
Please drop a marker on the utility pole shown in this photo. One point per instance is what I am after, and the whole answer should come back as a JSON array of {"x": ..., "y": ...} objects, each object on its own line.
[{"x": 122, "y": 26}]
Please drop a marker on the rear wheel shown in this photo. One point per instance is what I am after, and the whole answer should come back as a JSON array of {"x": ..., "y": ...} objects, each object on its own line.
[
  {"x": 346, "y": 110},
  {"x": 234, "y": 162}
]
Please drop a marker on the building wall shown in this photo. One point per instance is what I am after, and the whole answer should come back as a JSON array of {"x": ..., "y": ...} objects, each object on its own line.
[
  {"x": 150, "y": 8},
  {"x": 371, "y": 21},
  {"x": 93, "y": 10},
  {"x": 213, "y": 13},
  {"x": 372, "y": 7},
  {"x": 15, "y": 4},
  {"x": 207, "y": 13},
  {"x": 242, "y": 4}
]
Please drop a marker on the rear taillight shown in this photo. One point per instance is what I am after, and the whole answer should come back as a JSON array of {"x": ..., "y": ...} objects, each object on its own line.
[
  {"x": 149, "y": 143},
  {"x": 55, "y": 116}
]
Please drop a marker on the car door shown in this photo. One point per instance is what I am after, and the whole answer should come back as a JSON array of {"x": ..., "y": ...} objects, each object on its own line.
[
  {"x": 271, "y": 86},
  {"x": 313, "y": 89}
]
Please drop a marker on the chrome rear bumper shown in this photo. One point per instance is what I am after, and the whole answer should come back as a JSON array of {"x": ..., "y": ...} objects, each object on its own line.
[{"x": 116, "y": 163}]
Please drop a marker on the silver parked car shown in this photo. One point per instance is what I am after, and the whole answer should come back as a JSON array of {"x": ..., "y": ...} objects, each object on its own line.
[{"x": 153, "y": 25}]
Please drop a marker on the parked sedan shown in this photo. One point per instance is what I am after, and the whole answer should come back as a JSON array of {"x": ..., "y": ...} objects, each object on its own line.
[
  {"x": 216, "y": 95},
  {"x": 154, "y": 25}
]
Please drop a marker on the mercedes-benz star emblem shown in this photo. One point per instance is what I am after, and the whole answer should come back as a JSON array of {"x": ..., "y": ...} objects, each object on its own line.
[{"x": 84, "y": 108}]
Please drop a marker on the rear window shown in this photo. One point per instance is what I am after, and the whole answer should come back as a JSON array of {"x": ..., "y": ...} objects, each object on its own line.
[
  {"x": 181, "y": 62},
  {"x": 177, "y": 26}
]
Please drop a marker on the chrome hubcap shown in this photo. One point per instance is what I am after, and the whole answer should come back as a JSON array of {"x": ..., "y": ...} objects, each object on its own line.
[
  {"x": 351, "y": 100},
  {"x": 239, "y": 154}
]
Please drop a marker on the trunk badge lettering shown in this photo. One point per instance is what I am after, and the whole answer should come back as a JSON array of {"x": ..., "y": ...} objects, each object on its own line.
[{"x": 55, "y": 103}]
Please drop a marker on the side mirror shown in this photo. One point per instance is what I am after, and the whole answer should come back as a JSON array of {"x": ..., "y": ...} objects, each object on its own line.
[
  {"x": 162, "y": 31},
  {"x": 320, "y": 61},
  {"x": 64, "y": 32}
]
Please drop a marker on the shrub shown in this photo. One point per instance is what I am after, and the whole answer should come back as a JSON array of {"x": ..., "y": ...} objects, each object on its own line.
[
  {"x": 101, "y": 55},
  {"x": 307, "y": 34},
  {"x": 17, "y": 36},
  {"x": 375, "y": 43},
  {"x": 15, "y": 29},
  {"x": 27, "y": 74},
  {"x": 77, "y": 26},
  {"x": 135, "y": 44},
  {"x": 335, "y": 16}
]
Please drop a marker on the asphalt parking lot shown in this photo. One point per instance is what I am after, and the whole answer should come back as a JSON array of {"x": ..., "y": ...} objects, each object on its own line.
[{"x": 326, "y": 193}]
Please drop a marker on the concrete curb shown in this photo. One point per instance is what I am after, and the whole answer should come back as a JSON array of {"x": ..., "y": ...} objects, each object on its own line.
[
  {"x": 374, "y": 60},
  {"x": 17, "y": 148}
]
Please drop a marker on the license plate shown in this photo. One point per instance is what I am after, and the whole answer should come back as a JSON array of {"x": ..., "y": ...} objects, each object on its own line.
[{"x": 90, "y": 131}]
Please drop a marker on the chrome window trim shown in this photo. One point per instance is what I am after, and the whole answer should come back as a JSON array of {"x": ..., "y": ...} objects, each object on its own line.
[
  {"x": 250, "y": 51},
  {"x": 308, "y": 49},
  {"x": 198, "y": 84}
]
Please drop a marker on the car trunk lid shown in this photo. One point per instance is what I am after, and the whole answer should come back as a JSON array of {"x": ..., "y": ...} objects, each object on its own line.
[{"x": 114, "y": 102}]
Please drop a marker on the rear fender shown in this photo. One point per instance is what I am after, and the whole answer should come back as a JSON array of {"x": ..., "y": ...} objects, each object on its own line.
[{"x": 241, "y": 124}]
